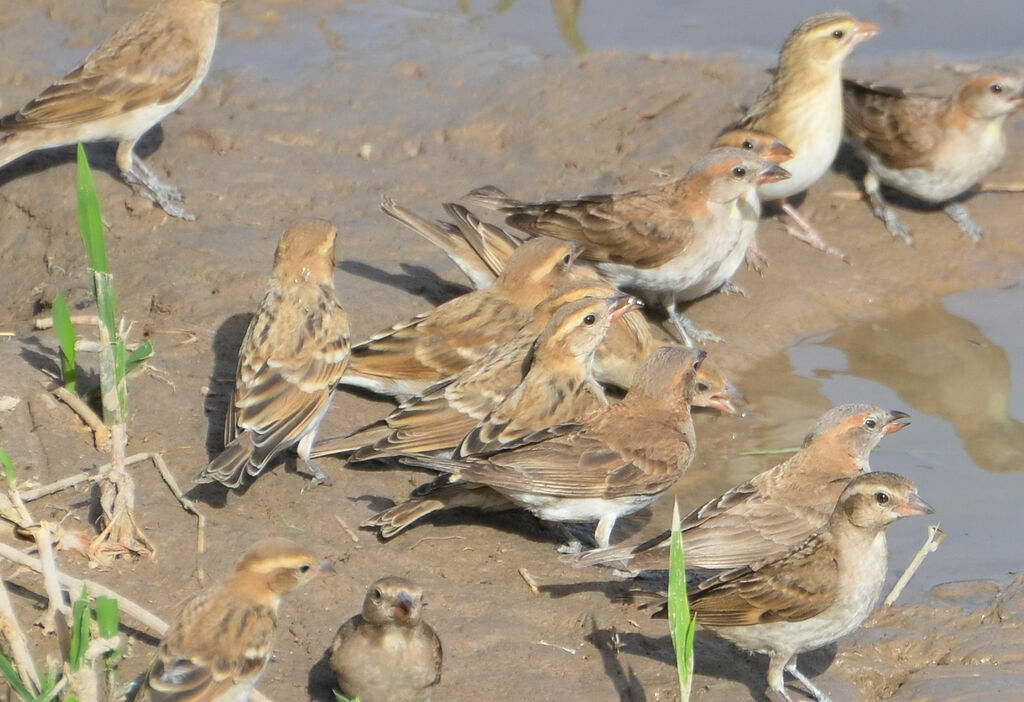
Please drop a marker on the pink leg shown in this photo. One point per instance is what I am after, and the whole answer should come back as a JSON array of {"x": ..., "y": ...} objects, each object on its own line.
[{"x": 805, "y": 232}]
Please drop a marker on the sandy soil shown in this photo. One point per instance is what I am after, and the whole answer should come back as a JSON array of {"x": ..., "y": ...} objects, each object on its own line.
[{"x": 254, "y": 150}]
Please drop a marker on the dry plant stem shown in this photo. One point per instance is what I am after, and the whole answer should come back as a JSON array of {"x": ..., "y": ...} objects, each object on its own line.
[
  {"x": 935, "y": 537},
  {"x": 120, "y": 535},
  {"x": 77, "y": 319},
  {"x": 99, "y": 429},
  {"x": 57, "y": 613},
  {"x": 186, "y": 504},
  {"x": 528, "y": 579},
  {"x": 16, "y": 640},
  {"x": 1016, "y": 186},
  {"x": 73, "y": 480},
  {"x": 74, "y": 586}
]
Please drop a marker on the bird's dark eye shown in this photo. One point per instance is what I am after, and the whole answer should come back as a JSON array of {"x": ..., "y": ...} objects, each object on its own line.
[
  {"x": 567, "y": 259},
  {"x": 882, "y": 498},
  {"x": 304, "y": 568},
  {"x": 702, "y": 386},
  {"x": 739, "y": 171},
  {"x": 996, "y": 88},
  {"x": 870, "y": 423},
  {"x": 838, "y": 34},
  {"x": 589, "y": 319},
  {"x": 747, "y": 144},
  {"x": 377, "y": 594}
]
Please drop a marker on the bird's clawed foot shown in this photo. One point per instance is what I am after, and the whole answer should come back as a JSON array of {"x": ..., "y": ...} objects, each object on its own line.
[{"x": 146, "y": 183}]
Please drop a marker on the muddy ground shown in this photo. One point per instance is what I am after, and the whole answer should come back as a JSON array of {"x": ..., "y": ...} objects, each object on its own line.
[{"x": 300, "y": 119}]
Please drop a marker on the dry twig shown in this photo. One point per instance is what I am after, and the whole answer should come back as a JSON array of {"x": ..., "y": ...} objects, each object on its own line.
[{"x": 935, "y": 537}]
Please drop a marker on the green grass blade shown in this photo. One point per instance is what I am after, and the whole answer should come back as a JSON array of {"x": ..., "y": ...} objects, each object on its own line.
[
  {"x": 341, "y": 698},
  {"x": 65, "y": 332},
  {"x": 142, "y": 352},
  {"x": 107, "y": 616},
  {"x": 8, "y": 670},
  {"x": 90, "y": 223},
  {"x": 80, "y": 624},
  {"x": 8, "y": 468},
  {"x": 682, "y": 624}
]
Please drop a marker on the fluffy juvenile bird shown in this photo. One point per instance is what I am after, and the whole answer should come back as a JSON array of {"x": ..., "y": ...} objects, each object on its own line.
[
  {"x": 803, "y": 107},
  {"x": 541, "y": 377},
  {"x": 221, "y": 641},
  {"x": 388, "y": 653},
  {"x": 932, "y": 148},
  {"x": 670, "y": 243},
  {"x": 292, "y": 357},
  {"x": 820, "y": 591},
  {"x": 779, "y": 507},
  {"x": 134, "y": 79},
  {"x": 481, "y": 251},
  {"x": 611, "y": 463},
  {"x": 411, "y": 356}
]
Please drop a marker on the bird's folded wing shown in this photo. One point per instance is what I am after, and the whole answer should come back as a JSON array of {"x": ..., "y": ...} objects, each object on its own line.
[
  {"x": 137, "y": 67},
  {"x": 794, "y": 587},
  {"x": 901, "y": 129}
]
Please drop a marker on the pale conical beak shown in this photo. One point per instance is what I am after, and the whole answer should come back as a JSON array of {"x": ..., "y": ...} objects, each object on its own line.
[
  {"x": 865, "y": 30},
  {"x": 914, "y": 507}
]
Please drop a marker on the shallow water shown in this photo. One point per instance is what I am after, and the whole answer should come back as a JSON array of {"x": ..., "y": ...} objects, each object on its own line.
[
  {"x": 948, "y": 27},
  {"x": 957, "y": 366}
]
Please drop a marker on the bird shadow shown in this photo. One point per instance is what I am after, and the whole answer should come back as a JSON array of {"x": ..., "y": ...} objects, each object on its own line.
[
  {"x": 226, "y": 343},
  {"x": 102, "y": 157},
  {"x": 320, "y": 684},
  {"x": 416, "y": 280},
  {"x": 216, "y": 495},
  {"x": 513, "y": 521},
  {"x": 606, "y": 642}
]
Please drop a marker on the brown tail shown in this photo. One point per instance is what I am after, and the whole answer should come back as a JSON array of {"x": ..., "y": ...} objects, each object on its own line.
[
  {"x": 446, "y": 237},
  {"x": 229, "y": 467}
]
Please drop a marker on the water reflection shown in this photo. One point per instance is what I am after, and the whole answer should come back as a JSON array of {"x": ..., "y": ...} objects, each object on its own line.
[
  {"x": 943, "y": 365},
  {"x": 952, "y": 27},
  {"x": 566, "y": 12}
]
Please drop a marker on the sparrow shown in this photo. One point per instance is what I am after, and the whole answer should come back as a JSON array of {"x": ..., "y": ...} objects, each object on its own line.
[
  {"x": 292, "y": 357},
  {"x": 767, "y": 147},
  {"x": 220, "y": 643},
  {"x": 408, "y": 358},
  {"x": 481, "y": 250},
  {"x": 671, "y": 242},
  {"x": 776, "y": 509},
  {"x": 531, "y": 382},
  {"x": 819, "y": 591},
  {"x": 388, "y": 653},
  {"x": 932, "y": 148},
  {"x": 611, "y": 462},
  {"x": 128, "y": 84},
  {"x": 803, "y": 107}
]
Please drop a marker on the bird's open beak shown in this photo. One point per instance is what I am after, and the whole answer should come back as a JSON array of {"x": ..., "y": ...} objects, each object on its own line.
[
  {"x": 621, "y": 304},
  {"x": 894, "y": 421},
  {"x": 402, "y": 607},
  {"x": 771, "y": 173},
  {"x": 914, "y": 506},
  {"x": 325, "y": 570},
  {"x": 865, "y": 30},
  {"x": 725, "y": 401}
]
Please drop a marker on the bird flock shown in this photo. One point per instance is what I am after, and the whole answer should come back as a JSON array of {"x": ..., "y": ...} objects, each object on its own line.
[{"x": 546, "y": 388}]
